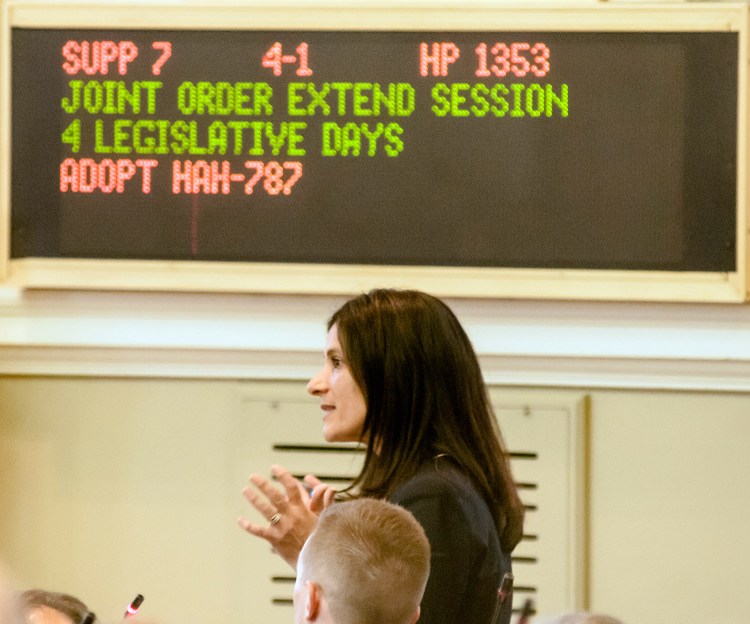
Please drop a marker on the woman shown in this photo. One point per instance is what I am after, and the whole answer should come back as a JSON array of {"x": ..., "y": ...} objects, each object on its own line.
[{"x": 401, "y": 377}]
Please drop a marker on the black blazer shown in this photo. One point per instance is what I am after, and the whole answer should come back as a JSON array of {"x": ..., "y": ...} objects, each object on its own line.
[{"x": 467, "y": 563}]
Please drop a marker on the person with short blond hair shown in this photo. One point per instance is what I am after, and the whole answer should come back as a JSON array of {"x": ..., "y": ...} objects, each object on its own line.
[
  {"x": 366, "y": 561},
  {"x": 47, "y": 607}
]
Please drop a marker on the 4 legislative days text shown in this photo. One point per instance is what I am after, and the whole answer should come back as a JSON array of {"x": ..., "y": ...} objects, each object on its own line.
[{"x": 210, "y": 136}]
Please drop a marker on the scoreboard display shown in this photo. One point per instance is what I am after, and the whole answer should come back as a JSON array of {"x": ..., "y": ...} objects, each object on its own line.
[{"x": 585, "y": 151}]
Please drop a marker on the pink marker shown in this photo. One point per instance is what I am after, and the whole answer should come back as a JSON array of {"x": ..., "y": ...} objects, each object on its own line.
[{"x": 133, "y": 606}]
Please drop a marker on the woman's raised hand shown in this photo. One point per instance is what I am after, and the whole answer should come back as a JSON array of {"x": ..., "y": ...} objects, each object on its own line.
[{"x": 289, "y": 512}]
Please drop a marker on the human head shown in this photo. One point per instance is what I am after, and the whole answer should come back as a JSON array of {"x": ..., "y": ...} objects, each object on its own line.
[
  {"x": 413, "y": 362},
  {"x": 425, "y": 396},
  {"x": 46, "y": 607},
  {"x": 367, "y": 561}
]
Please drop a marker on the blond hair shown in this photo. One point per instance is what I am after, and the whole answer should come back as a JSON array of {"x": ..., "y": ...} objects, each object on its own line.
[
  {"x": 371, "y": 560},
  {"x": 70, "y": 606}
]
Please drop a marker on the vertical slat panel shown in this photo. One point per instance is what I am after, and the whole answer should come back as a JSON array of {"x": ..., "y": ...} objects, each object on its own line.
[{"x": 545, "y": 441}]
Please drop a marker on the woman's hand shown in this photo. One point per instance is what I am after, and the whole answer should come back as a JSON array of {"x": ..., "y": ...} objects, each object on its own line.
[
  {"x": 289, "y": 512},
  {"x": 321, "y": 495}
]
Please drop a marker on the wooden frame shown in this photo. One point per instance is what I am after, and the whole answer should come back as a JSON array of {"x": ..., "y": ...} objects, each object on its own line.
[{"x": 346, "y": 279}]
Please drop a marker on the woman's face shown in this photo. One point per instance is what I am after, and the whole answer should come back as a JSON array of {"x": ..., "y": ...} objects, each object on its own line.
[{"x": 341, "y": 399}]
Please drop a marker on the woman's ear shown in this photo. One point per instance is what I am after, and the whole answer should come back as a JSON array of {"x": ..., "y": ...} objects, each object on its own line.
[{"x": 312, "y": 608}]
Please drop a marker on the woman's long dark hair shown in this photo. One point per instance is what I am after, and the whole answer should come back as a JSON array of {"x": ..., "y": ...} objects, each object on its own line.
[{"x": 425, "y": 396}]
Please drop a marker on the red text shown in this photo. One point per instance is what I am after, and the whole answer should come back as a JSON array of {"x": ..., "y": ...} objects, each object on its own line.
[{"x": 108, "y": 176}]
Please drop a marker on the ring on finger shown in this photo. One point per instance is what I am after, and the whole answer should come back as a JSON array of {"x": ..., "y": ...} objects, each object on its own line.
[{"x": 275, "y": 518}]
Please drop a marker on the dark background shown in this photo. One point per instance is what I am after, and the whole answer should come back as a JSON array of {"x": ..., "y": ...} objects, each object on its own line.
[{"x": 640, "y": 176}]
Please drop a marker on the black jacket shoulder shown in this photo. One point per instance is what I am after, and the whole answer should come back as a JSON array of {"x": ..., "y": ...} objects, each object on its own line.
[{"x": 467, "y": 562}]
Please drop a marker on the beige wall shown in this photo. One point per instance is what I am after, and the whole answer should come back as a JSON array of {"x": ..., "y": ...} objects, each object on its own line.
[
  {"x": 116, "y": 486},
  {"x": 112, "y": 488},
  {"x": 670, "y": 506}
]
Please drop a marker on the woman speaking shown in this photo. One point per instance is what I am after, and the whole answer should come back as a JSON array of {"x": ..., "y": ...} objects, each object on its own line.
[{"x": 401, "y": 377}]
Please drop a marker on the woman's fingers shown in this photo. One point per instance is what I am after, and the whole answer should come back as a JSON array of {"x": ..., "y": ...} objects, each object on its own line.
[
  {"x": 311, "y": 481},
  {"x": 254, "y": 529},
  {"x": 291, "y": 485},
  {"x": 329, "y": 498},
  {"x": 266, "y": 509},
  {"x": 272, "y": 493},
  {"x": 321, "y": 497},
  {"x": 290, "y": 520},
  {"x": 316, "y": 499}
]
